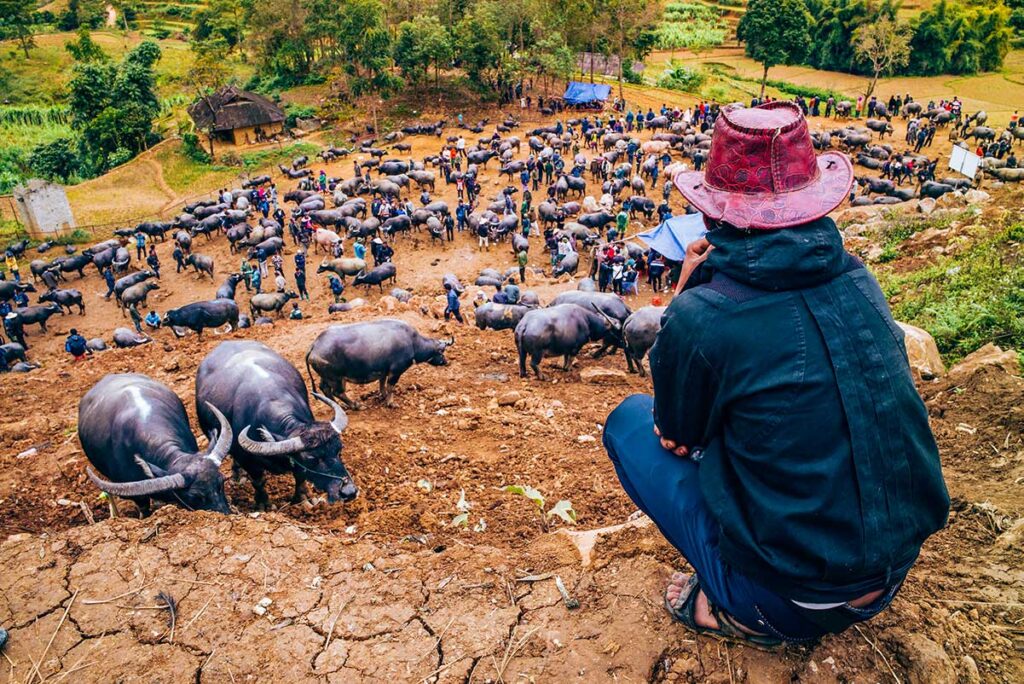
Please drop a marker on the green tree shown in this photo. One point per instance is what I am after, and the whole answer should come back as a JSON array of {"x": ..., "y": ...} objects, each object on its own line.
[
  {"x": 57, "y": 160},
  {"x": 16, "y": 22},
  {"x": 223, "y": 19},
  {"x": 85, "y": 49},
  {"x": 631, "y": 29},
  {"x": 885, "y": 45},
  {"x": 775, "y": 32}
]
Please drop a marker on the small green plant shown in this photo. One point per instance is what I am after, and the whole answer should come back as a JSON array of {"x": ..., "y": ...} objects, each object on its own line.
[
  {"x": 563, "y": 509},
  {"x": 680, "y": 77}
]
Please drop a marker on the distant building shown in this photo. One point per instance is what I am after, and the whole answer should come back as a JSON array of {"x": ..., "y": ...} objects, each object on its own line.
[
  {"x": 237, "y": 116},
  {"x": 43, "y": 209}
]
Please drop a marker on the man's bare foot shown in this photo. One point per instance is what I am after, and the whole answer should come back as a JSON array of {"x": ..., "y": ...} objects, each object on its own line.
[
  {"x": 702, "y": 611},
  {"x": 702, "y": 614}
]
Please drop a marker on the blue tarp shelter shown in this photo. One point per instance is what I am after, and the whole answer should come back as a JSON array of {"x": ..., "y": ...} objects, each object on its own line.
[
  {"x": 674, "y": 235},
  {"x": 582, "y": 93}
]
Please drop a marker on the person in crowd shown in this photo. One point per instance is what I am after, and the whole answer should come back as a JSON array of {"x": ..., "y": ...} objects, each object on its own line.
[
  {"x": 452, "y": 304},
  {"x": 76, "y": 345},
  {"x": 296, "y": 312},
  {"x": 785, "y": 452},
  {"x": 15, "y": 328},
  {"x": 152, "y": 320}
]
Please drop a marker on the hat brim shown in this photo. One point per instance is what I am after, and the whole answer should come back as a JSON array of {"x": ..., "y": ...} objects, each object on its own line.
[{"x": 767, "y": 211}]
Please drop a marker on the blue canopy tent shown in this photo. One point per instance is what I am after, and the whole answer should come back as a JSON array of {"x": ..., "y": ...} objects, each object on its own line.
[
  {"x": 582, "y": 93},
  {"x": 674, "y": 235}
]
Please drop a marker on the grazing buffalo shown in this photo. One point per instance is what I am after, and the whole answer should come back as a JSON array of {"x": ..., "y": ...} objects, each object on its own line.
[
  {"x": 639, "y": 332},
  {"x": 380, "y": 350},
  {"x": 234, "y": 378},
  {"x": 198, "y": 316},
  {"x": 127, "y": 281},
  {"x": 562, "y": 330},
  {"x": 136, "y": 432}
]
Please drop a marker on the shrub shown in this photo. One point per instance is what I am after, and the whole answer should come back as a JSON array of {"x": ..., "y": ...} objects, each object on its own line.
[
  {"x": 684, "y": 78},
  {"x": 193, "y": 148}
]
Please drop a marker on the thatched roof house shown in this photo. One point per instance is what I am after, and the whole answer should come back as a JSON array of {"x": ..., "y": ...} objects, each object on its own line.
[{"x": 237, "y": 116}]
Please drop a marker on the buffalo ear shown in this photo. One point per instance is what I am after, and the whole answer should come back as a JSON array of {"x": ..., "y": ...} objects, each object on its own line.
[{"x": 151, "y": 471}]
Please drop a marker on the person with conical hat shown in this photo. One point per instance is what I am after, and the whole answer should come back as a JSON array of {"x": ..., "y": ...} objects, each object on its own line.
[{"x": 785, "y": 452}]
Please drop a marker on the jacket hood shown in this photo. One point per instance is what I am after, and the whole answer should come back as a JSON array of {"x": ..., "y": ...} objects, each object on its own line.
[{"x": 786, "y": 259}]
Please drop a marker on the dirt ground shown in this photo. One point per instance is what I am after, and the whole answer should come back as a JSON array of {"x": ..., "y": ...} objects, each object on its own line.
[{"x": 387, "y": 586}]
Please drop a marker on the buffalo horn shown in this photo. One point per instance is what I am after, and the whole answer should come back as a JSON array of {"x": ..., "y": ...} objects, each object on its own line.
[
  {"x": 219, "y": 448},
  {"x": 340, "y": 420},
  {"x": 271, "y": 447},
  {"x": 140, "y": 487}
]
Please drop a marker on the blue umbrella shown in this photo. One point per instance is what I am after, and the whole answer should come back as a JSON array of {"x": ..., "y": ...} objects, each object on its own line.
[{"x": 674, "y": 235}]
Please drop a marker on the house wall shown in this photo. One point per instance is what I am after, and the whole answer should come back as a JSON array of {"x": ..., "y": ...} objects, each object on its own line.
[
  {"x": 239, "y": 135},
  {"x": 43, "y": 208}
]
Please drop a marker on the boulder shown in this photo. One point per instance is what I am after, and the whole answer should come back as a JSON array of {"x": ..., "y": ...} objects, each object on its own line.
[
  {"x": 977, "y": 196},
  {"x": 922, "y": 352},
  {"x": 387, "y": 303},
  {"x": 603, "y": 376},
  {"x": 926, "y": 205},
  {"x": 925, "y": 660},
  {"x": 989, "y": 355}
]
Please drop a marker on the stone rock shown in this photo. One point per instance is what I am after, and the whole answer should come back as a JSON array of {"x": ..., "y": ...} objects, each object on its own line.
[
  {"x": 509, "y": 398},
  {"x": 387, "y": 303},
  {"x": 599, "y": 375},
  {"x": 874, "y": 253},
  {"x": 977, "y": 196},
  {"x": 989, "y": 355},
  {"x": 922, "y": 352},
  {"x": 925, "y": 660},
  {"x": 969, "y": 671},
  {"x": 926, "y": 205}
]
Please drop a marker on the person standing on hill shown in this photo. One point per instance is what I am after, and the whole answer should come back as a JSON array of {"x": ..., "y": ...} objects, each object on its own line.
[
  {"x": 140, "y": 246},
  {"x": 786, "y": 452}
]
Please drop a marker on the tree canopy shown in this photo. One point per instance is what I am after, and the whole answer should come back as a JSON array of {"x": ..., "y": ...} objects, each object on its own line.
[{"x": 775, "y": 32}]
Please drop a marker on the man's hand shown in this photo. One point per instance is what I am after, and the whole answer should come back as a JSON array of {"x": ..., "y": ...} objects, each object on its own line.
[
  {"x": 697, "y": 253},
  {"x": 669, "y": 445}
]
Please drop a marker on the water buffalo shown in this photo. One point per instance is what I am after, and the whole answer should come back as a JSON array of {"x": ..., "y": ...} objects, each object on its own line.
[
  {"x": 606, "y": 303},
  {"x": 202, "y": 264},
  {"x": 137, "y": 294},
  {"x": 184, "y": 241},
  {"x": 136, "y": 432},
  {"x": 883, "y": 128},
  {"x": 96, "y": 344},
  {"x": 38, "y": 314},
  {"x": 561, "y": 330},
  {"x": 499, "y": 316},
  {"x": 227, "y": 289},
  {"x": 568, "y": 264},
  {"x": 269, "y": 301},
  {"x": 1008, "y": 175},
  {"x": 198, "y": 316},
  {"x": 9, "y": 287},
  {"x": 639, "y": 332},
  {"x": 125, "y": 338},
  {"x": 65, "y": 299},
  {"x": 76, "y": 263},
  {"x": 344, "y": 266},
  {"x": 127, "y": 281},
  {"x": 234, "y": 378},
  {"x": 596, "y": 220},
  {"x": 12, "y": 351},
  {"x": 981, "y": 133},
  {"x": 256, "y": 181},
  {"x": 935, "y": 190},
  {"x": 380, "y": 350},
  {"x": 377, "y": 276},
  {"x": 877, "y": 185}
]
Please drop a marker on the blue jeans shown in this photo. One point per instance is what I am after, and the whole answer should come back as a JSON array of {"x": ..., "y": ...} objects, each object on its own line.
[{"x": 666, "y": 487}]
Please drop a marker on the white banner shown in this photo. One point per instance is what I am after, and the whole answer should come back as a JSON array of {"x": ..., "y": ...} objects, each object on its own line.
[{"x": 964, "y": 161}]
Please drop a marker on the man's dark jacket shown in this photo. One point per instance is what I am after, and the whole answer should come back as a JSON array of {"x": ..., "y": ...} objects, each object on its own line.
[{"x": 788, "y": 371}]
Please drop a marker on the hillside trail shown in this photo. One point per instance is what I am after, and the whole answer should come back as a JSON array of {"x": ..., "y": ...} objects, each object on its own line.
[{"x": 390, "y": 586}]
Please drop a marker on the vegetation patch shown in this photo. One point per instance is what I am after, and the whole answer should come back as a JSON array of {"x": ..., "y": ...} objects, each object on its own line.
[{"x": 967, "y": 299}]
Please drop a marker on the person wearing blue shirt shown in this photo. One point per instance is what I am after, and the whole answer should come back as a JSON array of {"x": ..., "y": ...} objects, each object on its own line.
[
  {"x": 152, "y": 320},
  {"x": 76, "y": 346},
  {"x": 359, "y": 249},
  {"x": 452, "y": 309},
  {"x": 337, "y": 288}
]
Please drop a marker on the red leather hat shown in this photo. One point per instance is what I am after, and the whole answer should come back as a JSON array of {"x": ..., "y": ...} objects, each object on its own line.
[{"x": 762, "y": 172}]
